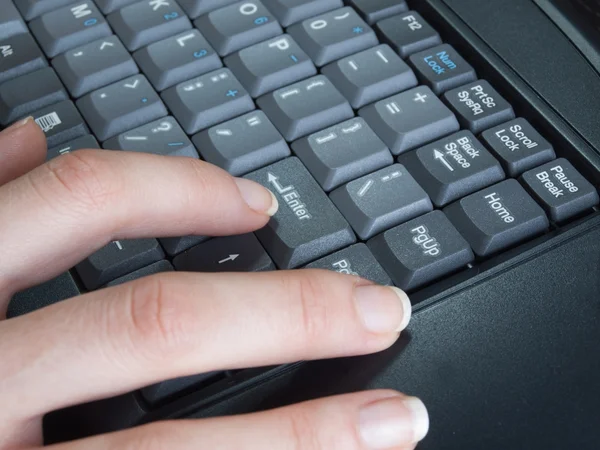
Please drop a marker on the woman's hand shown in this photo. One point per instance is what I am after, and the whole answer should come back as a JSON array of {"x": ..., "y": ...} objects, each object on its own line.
[{"x": 120, "y": 339}]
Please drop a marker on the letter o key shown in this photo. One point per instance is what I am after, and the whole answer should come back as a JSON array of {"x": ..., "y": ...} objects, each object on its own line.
[{"x": 248, "y": 9}]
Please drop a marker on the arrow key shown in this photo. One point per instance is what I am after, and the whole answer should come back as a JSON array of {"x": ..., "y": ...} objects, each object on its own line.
[
  {"x": 241, "y": 253},
  {"x": 453, "y": 167}
]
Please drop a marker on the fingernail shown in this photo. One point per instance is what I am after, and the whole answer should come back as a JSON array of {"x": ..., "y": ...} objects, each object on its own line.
[
  {"x": 257, "y": 197},
  {"x": 20, "y": 123},
  {"x": 393, "y": 422},
  {"x": 383, "y": 309}
]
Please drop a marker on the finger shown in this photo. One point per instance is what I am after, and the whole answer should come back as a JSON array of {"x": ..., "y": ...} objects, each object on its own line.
[
  {"x": 376, "y": 420},
  {"x": 22, "y": 148},
  {"x": 66, "y": 209},
  {"x": 177, "y": 324}
]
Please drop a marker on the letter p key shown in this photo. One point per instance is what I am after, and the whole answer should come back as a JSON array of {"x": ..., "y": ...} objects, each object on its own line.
[{"x": 282, "y": 44}]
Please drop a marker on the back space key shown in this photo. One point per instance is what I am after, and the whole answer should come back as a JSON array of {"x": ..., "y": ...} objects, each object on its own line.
[{"x": 307, "y": 226}]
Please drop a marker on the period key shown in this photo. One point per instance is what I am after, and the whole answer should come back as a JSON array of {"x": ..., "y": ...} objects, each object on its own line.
[{"x": 307, "y": 226}]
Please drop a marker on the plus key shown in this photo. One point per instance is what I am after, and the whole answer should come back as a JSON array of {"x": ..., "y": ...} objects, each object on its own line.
[{"x": 410, "y": 119}]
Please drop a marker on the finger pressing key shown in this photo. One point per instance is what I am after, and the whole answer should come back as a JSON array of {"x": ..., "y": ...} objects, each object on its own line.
[
  {"x": 91, "y": 197},
  {"x": 179, "y": 324}
]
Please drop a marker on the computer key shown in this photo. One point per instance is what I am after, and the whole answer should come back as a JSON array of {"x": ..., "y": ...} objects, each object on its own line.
[
  {"x": 381, "y": 200},
  {"x": 289, "y": 12},
  {"x": 376, "y": 10},
  {"x": 161, "y": 137},
  {"x": 269, "y": 65},
  {"x": 410, "y": 119},
  {"x": 57, "y": 289},
  {"x": 121, "y": 106},
  {"x": 240, "y": 25},
  {"x": 11, "y": 22},
  {"x": 342, "y": 153},
  {"x": 497, "y": 217},
  {"x": 167, "y": 390},
  {"x": 333, "y": 35},
  {"x": 442, "y": 68},
  {"x": 518, "y": 146},
  {"x": 305, "y": 107},
  {"x": 177, "y": 59},
  {"x": 207, "y": 100},
  {"x": 355, "y": 260},
  {"x": 30, "y": 9},
  {"x": 478, "y": 106},
  {"x": 197, "y": 8},
  {"x": 408, "y": 33},
  {"x": 152, "y": 269},
  {"x": 145, "y": 22},
  {"x": 307, "y": 226},
  {"x": 117, "y": 259},
  {"x": 242, "y": 253},
  {"x": 84, "y": 142},
  {"x": 561, "y": 190},
  {"x": 370, "y": 75},
  {"x": 94, "y": 65},
  {"x": 109, "y": 6},
  {"x": 60, "y": 123},
  {"x": 19, "y": 55},
  {"x": 69, "y": 27},
  {"x": 243, "y": 144},
  {"x": 23, "y": 95},
  {"x": 176, "y": 245},
  {"x": 453, "y": 167},
  {"x": 421, "y": 251}
]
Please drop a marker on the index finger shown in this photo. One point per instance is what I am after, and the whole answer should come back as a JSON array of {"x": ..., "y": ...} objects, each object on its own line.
[{"x": 64, "y": 210}]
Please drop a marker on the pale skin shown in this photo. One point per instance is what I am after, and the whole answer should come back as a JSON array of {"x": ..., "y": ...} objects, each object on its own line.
[{"x": 116, "y": 340}]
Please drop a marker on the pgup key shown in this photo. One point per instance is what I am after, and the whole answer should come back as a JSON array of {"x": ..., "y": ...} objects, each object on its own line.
[{"x": 422, "y": 250}]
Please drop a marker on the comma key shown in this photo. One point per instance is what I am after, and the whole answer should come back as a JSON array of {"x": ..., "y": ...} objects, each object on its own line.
[
  {"x": 498, "y": 217},
  {"x": 422, "y": 250},
  {"x": 561, "y": 189},
  {"x": 307, "y": 226}
]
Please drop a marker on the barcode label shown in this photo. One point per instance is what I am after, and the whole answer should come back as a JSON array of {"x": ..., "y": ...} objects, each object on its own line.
[{"x": 48, "y": 121}]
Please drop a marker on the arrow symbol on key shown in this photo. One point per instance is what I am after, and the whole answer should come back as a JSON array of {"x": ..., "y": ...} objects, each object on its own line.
[
  {"x": 132, "y": 85},
  {"x": 440, "y": 157},
  {"x": 274, "y": 181},
  {"x": 106, "y": 44},
  {"x": 229, "y": 258}
]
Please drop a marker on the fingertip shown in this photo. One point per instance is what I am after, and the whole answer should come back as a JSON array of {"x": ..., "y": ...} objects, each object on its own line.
[{"x": 257, "y": 197}]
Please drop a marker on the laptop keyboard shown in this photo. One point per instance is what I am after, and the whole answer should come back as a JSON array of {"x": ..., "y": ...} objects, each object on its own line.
[{"x": 390, "y": 157}]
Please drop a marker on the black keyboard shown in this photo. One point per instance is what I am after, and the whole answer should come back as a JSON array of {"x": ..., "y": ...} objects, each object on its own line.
[{"x": 390, "y": 156}]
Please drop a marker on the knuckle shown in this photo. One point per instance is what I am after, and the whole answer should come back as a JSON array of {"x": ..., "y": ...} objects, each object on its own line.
[
  {"x": 310, "y": 292},
  {"x": 158, "y": 323},
  {"x": 82, "y": 178},
  {"x": 303, "y": 431}
]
